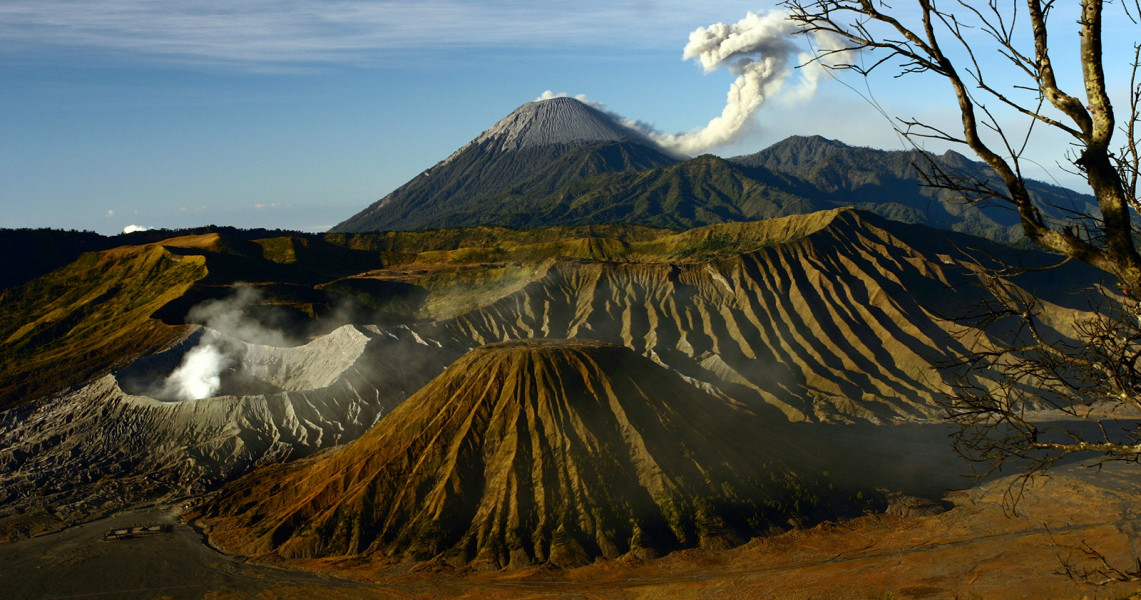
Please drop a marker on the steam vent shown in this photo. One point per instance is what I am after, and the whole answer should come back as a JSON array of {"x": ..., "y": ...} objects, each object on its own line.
[
  {"x": 525, "y": 453},
  {"x": 211, "y": 364}
]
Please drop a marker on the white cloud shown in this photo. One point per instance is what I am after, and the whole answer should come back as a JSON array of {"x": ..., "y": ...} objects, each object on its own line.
[
  {"x": 133, "y": 228},
  {"x": 262, "y": 32},
  {"x": 263, "y": 205},
  {"x": 110, "y": 213}
]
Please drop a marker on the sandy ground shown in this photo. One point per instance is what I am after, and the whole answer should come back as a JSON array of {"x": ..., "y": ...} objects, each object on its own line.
[
  {"x": 77, "y": 563},
  {"x": 974, "y": 550}
]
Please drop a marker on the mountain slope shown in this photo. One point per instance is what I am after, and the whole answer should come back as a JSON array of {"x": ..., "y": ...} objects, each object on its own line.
[
  {"x": 41, "y": 251},
  {"x": 887, "y": 183},
  {"x": 561, "y": 162},
  {"x": 113, "y": 440},
  {"x": 701, "y": 191},
  {"x": 836, "y": 317},
  {"x": 796, "y": 176},
  {"x": 89, "y": 317},
  {"x": 535, "y": 149},
  {"x": 833, "y": 316},
  {"x": 556, "y": 122},
  {"x": 109, "y": 308},
  {"x": 529, "y": 452}
]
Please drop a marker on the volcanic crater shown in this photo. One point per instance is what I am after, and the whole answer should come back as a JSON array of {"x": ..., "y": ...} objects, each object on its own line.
[{"x": 240, "y": 368}]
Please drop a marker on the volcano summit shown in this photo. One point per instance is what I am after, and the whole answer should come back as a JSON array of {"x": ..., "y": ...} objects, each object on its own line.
[
  {"x": 556, "y": 122},
  {"x": 538, "y": 148}
]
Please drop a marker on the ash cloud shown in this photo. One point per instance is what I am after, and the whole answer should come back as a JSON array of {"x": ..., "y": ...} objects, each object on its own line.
[
  {"x": 760, "y": 51},
  {"x": 763, "y": 53}
]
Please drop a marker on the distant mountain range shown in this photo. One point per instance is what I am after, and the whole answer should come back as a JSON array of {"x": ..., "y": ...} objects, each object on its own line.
[{"x": 562, "y": 162}]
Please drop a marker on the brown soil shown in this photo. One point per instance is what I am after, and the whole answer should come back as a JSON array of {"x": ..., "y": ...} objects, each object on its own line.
[{"x": 975, "y": 550}]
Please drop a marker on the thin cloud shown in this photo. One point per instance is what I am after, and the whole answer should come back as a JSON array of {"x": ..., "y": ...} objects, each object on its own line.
[{"x": 270, "y": 32}]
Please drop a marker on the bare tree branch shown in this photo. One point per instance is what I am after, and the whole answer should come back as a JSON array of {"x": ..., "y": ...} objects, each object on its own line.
[{"x": 871, "y": 27}]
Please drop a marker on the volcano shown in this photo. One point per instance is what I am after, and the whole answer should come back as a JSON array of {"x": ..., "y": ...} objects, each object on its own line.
[
  {"x": 536, "y": 149},
  {"x": 563, "y": 162},
  {"x": 531, "y": 452}
]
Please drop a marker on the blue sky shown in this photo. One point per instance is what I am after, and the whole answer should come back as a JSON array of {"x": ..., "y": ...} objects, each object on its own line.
[{"x": 297, "y": 114}]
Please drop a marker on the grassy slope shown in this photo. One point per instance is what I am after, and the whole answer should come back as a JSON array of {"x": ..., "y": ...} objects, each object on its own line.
[
  {"x": 88, "y": 317},
  {"x": 107, "y": 308},
  {"x": 443, "y": 273},
  {"x": 435, "y": 198},
  {"x": 796, "y": 176}
]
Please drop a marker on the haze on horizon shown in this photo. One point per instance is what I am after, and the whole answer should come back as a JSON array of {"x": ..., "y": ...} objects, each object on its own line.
[{"x": 119, "y": 113}]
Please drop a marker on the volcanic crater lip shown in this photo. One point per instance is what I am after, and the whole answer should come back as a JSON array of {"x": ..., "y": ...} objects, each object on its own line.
[{"x": 250, "y": 369}]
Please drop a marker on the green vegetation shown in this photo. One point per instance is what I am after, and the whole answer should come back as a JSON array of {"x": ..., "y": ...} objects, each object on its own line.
[
  {"x": 431, "y": 199},
  {"x": 623, "y": 183}
]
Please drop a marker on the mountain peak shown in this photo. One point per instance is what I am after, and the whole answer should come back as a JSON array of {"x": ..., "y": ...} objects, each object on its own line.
[
  {"x": 536, "y": 149},
  {"x": 558, "y": 121}
]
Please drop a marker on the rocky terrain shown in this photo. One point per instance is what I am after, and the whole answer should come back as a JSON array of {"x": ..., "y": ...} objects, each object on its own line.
[
  {"x": 836, "y": 316},
  {"x": 107, "y": 444},
  {"x": 711, "y": 386}
]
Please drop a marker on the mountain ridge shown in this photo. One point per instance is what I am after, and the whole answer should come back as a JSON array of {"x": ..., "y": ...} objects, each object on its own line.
[
  {"x": 835, "y": 317},
  {"x": 562, "y": 162}
]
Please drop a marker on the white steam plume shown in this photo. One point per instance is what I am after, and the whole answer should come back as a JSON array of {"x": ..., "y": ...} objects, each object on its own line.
[
  {"x": 229, "y": 316},
  {"x": 200, "y": 374},
  {"x": 762, "y": 52}
]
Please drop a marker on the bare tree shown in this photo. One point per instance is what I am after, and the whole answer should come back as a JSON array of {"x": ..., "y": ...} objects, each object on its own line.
[
  {"x": 1031, "y": 394},
  {"x": 935, "y": 41},
  {"x": 1090, "y": 375}
]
